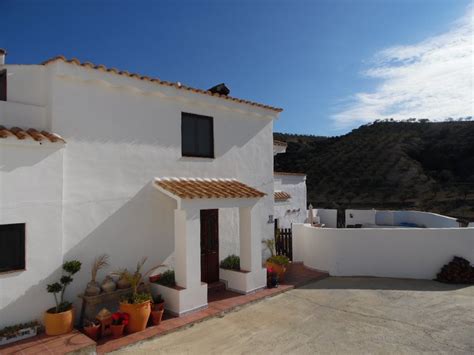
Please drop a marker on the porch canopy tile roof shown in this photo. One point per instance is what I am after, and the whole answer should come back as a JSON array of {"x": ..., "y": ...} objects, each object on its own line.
[
  {"x": 207, "y": 188},
  {"x": 281, "y": 196},
  {"x": 30, "y": 134}
]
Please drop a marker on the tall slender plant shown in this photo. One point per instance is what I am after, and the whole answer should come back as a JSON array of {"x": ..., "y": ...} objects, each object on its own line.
[
  {"x": 270, "y": 244},
  {"x": 69, "y": 268}
]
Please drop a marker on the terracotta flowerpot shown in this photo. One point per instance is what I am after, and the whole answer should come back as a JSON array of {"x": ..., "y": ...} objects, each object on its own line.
[
  {"x": 117, "y": 330},
  {"x": 156, "y": 316},
  {"x": 279, "y": 269},
  {"x": 158, "y": 306},
  {"x": 58, "y": 323},
  {"x": 139, "y": 314},
  {"x": 93, "y": 331}
]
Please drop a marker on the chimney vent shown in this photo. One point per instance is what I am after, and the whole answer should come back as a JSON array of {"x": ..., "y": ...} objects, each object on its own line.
[
  {"x": 220, "y": 89},
  {"x": 3, "y": 54}
]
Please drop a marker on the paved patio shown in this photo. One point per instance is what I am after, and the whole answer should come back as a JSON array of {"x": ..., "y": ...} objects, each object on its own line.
[
  {"x": 337, "y": 315},
  {"x": 220, "y": 302}
]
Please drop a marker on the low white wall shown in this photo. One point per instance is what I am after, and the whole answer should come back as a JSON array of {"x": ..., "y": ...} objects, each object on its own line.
[
  {"x": 383, "y": 252},
  {"x": 326, "y": 216},
  {"x": 421, "y": 219},
  {"x": 360, "y": 217}
]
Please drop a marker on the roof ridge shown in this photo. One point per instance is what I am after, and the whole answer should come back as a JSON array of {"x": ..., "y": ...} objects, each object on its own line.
[{"x": 177, "y": 85}]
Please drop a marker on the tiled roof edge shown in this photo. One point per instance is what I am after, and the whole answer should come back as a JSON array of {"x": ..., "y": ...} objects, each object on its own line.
[{"x": 177, "y": 85}]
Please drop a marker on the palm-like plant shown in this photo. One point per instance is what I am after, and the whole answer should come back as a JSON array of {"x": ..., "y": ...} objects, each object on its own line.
[
  {"x": 136, "y": 279},
  {"x": 270, "y": 244}
]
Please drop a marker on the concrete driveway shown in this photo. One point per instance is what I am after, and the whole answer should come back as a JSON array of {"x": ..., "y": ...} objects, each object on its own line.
[{"x": 342, "y": 315}]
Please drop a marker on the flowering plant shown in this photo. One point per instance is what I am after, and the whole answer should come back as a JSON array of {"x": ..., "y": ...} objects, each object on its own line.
[{"x": 120, "y": 318}]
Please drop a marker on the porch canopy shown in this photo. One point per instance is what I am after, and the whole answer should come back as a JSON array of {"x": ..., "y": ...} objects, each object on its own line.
[{"x": 193, "y": 195}]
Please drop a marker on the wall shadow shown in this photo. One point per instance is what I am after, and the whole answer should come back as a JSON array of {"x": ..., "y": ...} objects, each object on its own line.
[
  {"x": 117, "y": 236},
  {"x": 381, "y": 283}
]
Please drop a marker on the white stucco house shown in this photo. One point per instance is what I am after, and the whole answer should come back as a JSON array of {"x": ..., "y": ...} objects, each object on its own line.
[
  {"x": 96, "y": 160},
  {"x": 289, "y": 195}
]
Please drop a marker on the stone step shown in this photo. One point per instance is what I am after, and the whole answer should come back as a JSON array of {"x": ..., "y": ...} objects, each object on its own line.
[{"x": 216, "y": 287}]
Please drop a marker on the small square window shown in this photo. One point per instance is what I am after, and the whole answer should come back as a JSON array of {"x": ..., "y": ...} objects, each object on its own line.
[
  {"x": 12, "y": 247},
  {"x": 197, "y": 135}
]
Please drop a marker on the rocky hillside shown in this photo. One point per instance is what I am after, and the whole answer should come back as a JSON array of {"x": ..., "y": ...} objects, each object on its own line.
[{"x": 402, "y": 165}]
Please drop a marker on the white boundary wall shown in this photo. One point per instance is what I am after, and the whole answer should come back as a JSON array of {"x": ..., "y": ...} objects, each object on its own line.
[
  {"x": 326, "y": 216},
  {"x": 383, "y": 252}
]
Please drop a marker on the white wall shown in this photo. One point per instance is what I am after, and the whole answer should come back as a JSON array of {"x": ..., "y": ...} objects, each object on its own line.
[
  {"x": 294, "y": 209},
  {"x": 31, "y": 187},
  {"x": 326, "y": 216},
  {"x": 421, "y": 219},
  {"x": 360, "y": 217},
  {"x": 382, "y": 252}
]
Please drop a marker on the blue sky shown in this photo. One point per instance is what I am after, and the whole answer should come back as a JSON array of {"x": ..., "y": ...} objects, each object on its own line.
[{"x": 331, "y": 65}]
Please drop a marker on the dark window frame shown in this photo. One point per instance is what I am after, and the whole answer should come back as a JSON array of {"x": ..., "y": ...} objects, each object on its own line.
[
  {"x": 195, "y": 153},
  {"x": 3, "y": 85},
  {"x": 21, "y": 264}
]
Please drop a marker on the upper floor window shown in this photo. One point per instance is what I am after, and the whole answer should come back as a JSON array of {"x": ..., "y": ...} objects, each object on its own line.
[
  {"x": 197, "y": 135},
  {"x": 12, "y": 247},
  {"x": 3, "y": 85}
]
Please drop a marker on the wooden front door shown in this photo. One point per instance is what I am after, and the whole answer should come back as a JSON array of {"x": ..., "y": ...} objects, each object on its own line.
[{"x": 209, "y": 246}]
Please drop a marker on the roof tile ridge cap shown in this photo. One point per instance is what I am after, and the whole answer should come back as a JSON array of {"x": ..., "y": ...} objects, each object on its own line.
[{"x": 102, "y": 67}]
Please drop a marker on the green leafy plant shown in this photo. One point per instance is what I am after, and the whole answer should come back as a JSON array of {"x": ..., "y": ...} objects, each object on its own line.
[
  {"x": 279, "y": 260},
  {"x": 70, "y": 268},
  {"x": 232, "y": 262},
  {"x": 158, "y": 299},
  {"x": 270, "y": 244},
  {"x": 167, "y": 279}
]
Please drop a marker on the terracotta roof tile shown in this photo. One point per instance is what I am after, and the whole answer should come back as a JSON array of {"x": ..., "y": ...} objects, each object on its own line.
[
  {"x": 156, "y": 80},
  {"x": 31, "y": 133},
  {"x": 277, "y": 142},
  {"x": 193, "y": 188},
  {"x": 281, "y": 196}
]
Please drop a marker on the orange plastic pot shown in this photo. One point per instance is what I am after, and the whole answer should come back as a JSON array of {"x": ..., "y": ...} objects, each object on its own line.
[
  {"x": 139, "y": 314},
  {"x": 58, "y": 323},
  {"x": 279, "y": 269}
]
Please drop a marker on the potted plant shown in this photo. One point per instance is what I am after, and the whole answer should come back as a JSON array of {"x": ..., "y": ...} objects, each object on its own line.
[
  {"x": 137, "y": 304},
  {"x": 92, "y": 329},
  {"x": 272, "y": 278},
  {"x": 119, "y": 321},
  {"x": 278, "y": 264},
  {"x": 93, "y": 288},
  {"x": 158, "y": 309},
  {"x": 18, "y": 332},
  {"x": 231, "y": 262},
  {"x": 166, "y": 279},
  {"x": 59, "y": 319}
]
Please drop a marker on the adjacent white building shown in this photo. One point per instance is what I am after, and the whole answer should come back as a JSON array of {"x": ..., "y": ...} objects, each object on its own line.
[
  {"x": 290, "y": 199},
  {"x": 95, "y": 160}
]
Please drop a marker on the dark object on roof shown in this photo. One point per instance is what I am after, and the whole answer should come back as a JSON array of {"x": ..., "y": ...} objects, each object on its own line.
[{"x": 220, "y": 89}]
